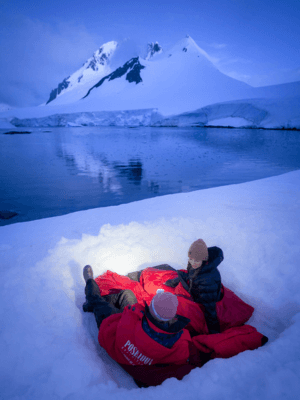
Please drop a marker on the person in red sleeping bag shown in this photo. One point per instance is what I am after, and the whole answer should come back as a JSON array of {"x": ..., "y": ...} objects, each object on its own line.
[
  {"x": 151, "y": 342},
  {"x": 203, "y": 299},
  {"x": 201, "y": 281}
]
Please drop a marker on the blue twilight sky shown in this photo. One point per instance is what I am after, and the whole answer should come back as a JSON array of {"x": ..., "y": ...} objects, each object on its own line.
[{"x": 43, "y": 42}]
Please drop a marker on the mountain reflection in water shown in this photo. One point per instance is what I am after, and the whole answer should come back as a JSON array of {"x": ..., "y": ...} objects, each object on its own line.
[{"x": 133, "y": 171}]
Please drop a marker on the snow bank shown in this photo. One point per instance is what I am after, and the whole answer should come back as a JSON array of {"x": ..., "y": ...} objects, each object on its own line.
[{"x": 49, "y": 346}]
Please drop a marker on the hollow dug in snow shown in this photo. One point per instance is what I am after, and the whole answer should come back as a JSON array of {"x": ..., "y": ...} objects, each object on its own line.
[{"x": 49, "y": 347}]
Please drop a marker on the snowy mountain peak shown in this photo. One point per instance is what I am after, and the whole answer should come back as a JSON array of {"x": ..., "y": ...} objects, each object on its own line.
[
  {"x": 180, "y": 80},
  {"x": 101, "y": 56},
  {"x": 188, "y": 49},
  {"x": 152, "y": 49},
  {"x": 75, "y": 86}
]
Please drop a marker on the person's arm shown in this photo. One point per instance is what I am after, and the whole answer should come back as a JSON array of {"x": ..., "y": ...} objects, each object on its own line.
[
  {"x": 205, "y": 291},
  {"x": 182, "y": 277},
  {"x": 210, "y": 311},
  {"x": 211, "y": 318}
]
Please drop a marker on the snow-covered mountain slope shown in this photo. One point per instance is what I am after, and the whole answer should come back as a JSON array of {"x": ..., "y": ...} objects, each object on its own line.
[
  {"x": 180, "y": 80},
  {"x": 131, "y": 71},
  {"x": 282, "y": 90},
  {"x": 76, "y": 86}
]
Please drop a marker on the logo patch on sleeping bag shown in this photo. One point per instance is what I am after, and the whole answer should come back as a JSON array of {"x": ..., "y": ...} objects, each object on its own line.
[{"x": 134, "y": 356}]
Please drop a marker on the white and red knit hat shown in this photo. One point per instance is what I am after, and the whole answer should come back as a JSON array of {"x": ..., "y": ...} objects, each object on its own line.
[{"x": 163, "y": 306}]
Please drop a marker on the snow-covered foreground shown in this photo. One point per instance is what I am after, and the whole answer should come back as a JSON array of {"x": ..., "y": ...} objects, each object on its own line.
[{"x": 49, "y": 347}]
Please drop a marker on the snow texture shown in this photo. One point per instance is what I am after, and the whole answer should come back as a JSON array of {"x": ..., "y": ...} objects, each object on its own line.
[{"x": 49, "y": 347}]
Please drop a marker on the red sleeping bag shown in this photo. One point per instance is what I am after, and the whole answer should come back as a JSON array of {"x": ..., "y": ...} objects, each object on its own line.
[{"x": 231, "y": 310}]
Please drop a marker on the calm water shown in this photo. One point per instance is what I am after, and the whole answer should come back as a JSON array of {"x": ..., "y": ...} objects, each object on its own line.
[{"x": 54, "y": 172}]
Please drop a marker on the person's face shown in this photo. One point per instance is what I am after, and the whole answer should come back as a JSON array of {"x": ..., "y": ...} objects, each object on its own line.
[{"x": 195, "y": 264}]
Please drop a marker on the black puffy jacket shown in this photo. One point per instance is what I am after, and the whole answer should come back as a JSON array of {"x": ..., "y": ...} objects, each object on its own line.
[{"x": 204, "y": 284}]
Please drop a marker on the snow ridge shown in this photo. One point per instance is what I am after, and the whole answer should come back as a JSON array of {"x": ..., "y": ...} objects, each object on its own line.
[
  {"x": 91, "y": 71},
  {"x": 133, "y": 66}
]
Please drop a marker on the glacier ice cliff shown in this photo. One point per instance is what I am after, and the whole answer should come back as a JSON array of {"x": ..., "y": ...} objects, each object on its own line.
[{"x": 255, "y": 113}]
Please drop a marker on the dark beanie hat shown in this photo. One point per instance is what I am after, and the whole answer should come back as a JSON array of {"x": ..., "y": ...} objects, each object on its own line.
[
  {"x": 198, "y": 251},
  {"x": 164, "y": 306}
]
